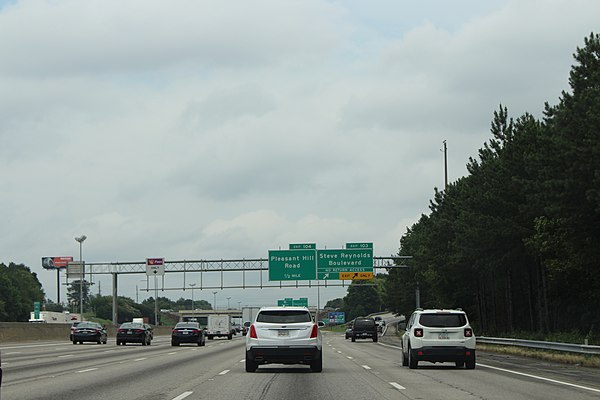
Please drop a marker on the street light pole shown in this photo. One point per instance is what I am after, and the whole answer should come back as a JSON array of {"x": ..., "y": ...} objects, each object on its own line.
[
  {"x": 192, "y": 286},
  {"x": 81, "y": 239}
]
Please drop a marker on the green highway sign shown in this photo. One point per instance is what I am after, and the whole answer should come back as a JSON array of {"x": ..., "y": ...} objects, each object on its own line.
[
  {"x": 292, "y": 265},
  {"x": 359, "y": 245},
  {"x": 330, "y": 263},
  {"x": 303, "y": 246},
  {"x": 288, "y": 301}
]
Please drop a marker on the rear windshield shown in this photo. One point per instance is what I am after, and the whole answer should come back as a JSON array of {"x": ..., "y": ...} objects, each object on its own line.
[
  {"x": 440, "y": 320},
  {"x": 193, "y": 325},
  {"x": 283, "y": 316},
  {"x": 364, "y": 322},
  {"x": 88, "y": 325},
  {"x": 131, "y": 325}
]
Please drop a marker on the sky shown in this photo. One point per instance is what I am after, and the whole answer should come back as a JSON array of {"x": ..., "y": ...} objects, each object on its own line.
[{"x": 209, "y": 130}]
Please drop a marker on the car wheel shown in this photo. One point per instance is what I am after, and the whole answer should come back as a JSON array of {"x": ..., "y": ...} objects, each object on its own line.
[
  {"x": 413, "y": 363},
  {"x": 251, "y": 366},
  {"x": 199, "y": 343},
  {"x": 80, "y": 342},
  {"x": 174, "y": 344},
  {"x": 230, "y": 336},
  {"x": 317, "y": 365},
  {"x": 149, "y": 342},
  {"x": 375, "y": 339},
  {"x": 353, "y": 338},
  {"x": 470, "y": 362},
  {"x": 74, "y": 342},
  {"x": 404, "y": 358},
  {"x": 105, "y": 341}
]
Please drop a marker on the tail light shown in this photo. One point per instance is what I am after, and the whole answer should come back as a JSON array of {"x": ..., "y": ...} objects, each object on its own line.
[
  {"x": 418, "y": 332},
  {"x": 253, "y": 334},
  {"x": 468, "y": 332},
  {"x": 122, "y": 330},
  {"x": 314, "y": 332}
]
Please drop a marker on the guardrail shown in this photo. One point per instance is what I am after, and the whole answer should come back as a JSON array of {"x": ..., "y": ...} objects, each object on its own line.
[{"x": 533, "y": 344}]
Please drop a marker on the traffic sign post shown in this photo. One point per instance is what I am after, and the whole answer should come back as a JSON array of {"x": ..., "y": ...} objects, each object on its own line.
[{"x": 292, "y": 265}]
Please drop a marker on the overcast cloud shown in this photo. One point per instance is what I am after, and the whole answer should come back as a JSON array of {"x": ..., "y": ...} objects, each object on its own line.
[{"x": 222, "y": 129}]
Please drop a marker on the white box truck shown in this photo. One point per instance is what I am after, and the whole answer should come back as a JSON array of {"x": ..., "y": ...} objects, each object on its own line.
[{"x": 219, "y": 325}]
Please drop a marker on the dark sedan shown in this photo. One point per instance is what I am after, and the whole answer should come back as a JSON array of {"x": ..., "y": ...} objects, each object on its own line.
[
  {"x": 188, "y": 332},
  {"x": 89, "y": 332},
  {"x": 133, "y": 332}
]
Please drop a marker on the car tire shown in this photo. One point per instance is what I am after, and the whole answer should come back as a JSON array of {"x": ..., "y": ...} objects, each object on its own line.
[
  {"x": 459, "y": 364},
  {"x": 144, "y": 343},
  {"x": 230, "y": 336},
  {"x": 404, "y": 358},
  {"x": 353, "y": 338},
  {"x": 251, "y": 366},
  {"x": 199, "y": 343},
  {"x": 317, "y": 365},
  {"x": 174, "y": 343},
  {"x": 74, "y": 342},
  {"x": 413, "y": 363},
  {"x": 375, "y": 339},
  {"x": 470, "y": 362},
  {"x": 105, "y": 341}
]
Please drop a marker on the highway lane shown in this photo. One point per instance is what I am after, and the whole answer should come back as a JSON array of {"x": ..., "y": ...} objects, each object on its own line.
[{"x": 360, "y": 370}]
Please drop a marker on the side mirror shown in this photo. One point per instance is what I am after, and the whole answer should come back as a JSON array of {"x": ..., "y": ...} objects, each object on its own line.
[{"x": 320, "y": 324}]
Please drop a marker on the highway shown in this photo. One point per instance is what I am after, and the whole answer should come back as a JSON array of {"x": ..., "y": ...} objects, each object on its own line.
[{"x": 361, "y": 370}]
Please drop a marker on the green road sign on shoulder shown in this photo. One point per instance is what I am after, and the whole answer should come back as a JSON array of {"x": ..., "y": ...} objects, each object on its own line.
[
  {"x": 331, "y": 262},
  {"x": 359, "y": 245},
  {"x": 292, "y": 265},
  {"x": 303, "y": 246}
]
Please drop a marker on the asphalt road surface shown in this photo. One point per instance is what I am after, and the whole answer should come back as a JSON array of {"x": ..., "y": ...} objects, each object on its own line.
[{"x": 360, "y": 370}]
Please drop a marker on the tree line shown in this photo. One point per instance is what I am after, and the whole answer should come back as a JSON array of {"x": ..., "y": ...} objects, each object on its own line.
[{"x": 516, "y": 242}]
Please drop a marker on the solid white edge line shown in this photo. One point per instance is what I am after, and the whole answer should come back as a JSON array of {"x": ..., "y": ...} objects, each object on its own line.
[
  {"x": 183, "y": 395},
  {"x": 397, "y": 386},
  {"x": 540, "y": 378}
]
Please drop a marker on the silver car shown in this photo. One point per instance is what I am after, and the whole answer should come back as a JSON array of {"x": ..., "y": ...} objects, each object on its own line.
[{"x": 284, "y": 335}]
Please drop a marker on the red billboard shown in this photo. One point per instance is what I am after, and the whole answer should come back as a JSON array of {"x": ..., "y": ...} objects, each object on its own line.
[{"x": 55, "y": 262}]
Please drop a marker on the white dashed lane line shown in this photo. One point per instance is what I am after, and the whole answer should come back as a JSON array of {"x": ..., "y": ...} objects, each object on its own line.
[
  {"x": 86, "y": 370},
  {"x": 224, "y": 372},
  {"x": 366, "y": 367},
  {"x": 397, "y": 386},
  {"x": 183, "y": 395}
]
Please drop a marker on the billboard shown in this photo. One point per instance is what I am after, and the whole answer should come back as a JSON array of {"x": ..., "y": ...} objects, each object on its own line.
[{"x": 56, "y": 262}]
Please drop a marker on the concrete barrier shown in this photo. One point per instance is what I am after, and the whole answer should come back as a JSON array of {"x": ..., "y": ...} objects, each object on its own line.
[{"x": 29, "y": 331}]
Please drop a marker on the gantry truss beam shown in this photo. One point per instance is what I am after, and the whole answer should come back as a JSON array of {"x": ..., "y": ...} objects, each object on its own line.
[{"x": 256, "y": 264}]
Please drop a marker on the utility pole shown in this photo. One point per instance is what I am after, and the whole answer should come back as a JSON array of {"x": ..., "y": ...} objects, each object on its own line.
[{"x": 445, "y": 166}]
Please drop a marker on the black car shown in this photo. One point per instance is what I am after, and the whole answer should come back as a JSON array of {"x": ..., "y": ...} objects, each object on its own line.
[
  {"x": 89, "y": 332},
  {"x": 188, "y": 332},
  {"x": 246, "y": 327},
  {"x": 134, "y": 332},
  {"x": 364, "y": 328}
]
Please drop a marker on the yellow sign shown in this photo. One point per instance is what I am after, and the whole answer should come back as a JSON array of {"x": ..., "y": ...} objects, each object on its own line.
[{"x": 353, "y": 276}]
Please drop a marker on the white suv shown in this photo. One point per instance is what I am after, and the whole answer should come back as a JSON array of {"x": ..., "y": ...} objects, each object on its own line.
[
  {"x": 438, "y": 336},
  {"x": 284, "y": 335}
]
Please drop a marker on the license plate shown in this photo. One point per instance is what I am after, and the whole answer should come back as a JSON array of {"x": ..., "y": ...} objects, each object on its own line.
[
  {"x": 185, "y": 332},
  {"x": 443, "y": 335},
  {"x": 129, "y": 332},
  {"x": 283, "y": 333}
]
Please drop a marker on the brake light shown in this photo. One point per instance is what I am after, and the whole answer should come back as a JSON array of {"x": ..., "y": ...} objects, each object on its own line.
[
  {"x": 122, "y": 330},
  {"x": 468, "y": 332},
  {"x": 418, "y": 332},
  {"x": 253, "y": 334},
  {"x": 314, "y": 332}
]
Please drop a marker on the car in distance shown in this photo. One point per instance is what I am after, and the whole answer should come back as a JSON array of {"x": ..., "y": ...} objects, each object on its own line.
[
  {"x": 188, "y": 332},
  {"x": 89, "y": 332},
  {"x": 284, "y": 335},
  {"x": 133, "y": 332},
  {"x": 364, "y": 328},
  {"x": 348, "y": 331},
  {"x": 73, "y": 326},
  {"x": 438, "y": 335},
  {"x": 246, "y": 327}
]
